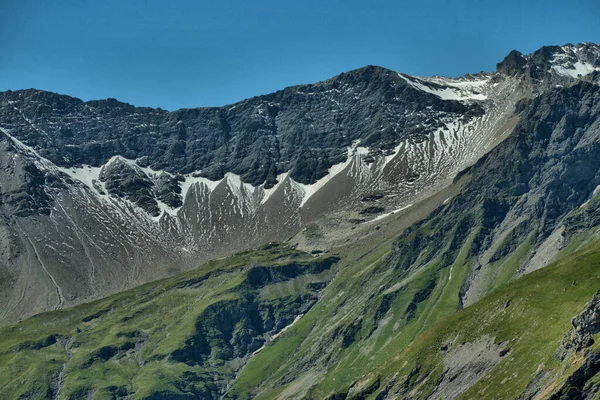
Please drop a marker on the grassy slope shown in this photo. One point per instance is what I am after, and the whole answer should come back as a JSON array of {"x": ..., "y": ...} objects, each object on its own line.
[
  {"x": 161, "y": 317},
  {"x": 313, "y": 359},
  {"x": 541, "y": 307},
  {"x": 156, "y": 319},
  {"x": 353, "y": 296},
  {"x": 344, "y": 339}
]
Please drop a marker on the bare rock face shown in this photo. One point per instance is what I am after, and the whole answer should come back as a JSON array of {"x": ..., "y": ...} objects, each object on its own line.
[
  {"x": 512, "y": 64},
  {"x": 125, "y": 181},
  {"x": 466, "y": 364},
  {"x": 526, "y": 189},
  {"x": 304, "y": 129},
  {"x": 579, "y": 340},
  {"x": 168, "y": 190},
  {"x": 586, "y": 324}
]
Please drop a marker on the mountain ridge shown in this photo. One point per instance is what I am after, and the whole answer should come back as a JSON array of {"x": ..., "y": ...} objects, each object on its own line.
[
  {"x": 512, "y": 53},
  {"x": 195, "y": 184}
]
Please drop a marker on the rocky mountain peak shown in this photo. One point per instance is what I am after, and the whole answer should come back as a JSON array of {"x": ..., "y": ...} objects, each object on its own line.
[
  {"x": 512, "y": 64},
  {"x": 553, "y": 64},
  {"x": 369, "y": 73}
]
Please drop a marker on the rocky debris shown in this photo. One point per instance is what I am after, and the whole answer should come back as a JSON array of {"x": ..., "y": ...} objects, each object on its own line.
[
  {"x": 168, "y": 190},
  {"x": 466, "y": 364},
  {"x": 579, "y": 340},
  {"x": 371, "y": 210},
  {"x": 373, "y": 197},
  {"x": 585, "y": 325}
]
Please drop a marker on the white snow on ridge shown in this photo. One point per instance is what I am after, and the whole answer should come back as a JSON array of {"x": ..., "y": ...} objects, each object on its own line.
[
  {"x": 191, "y": 180},
  {"x": 460, "y": 90},
  {"x": 395, "y": 152},
  {"x": 577, "y": 69},
  {"x": 570, "y": 63},
  {"x": 45, "y": 163},
  {"x": 237, "y": 187},
  {"x": 87, "y": 175},
  {"x": 165, "y": 209},
  {"x": 464, "y": 83},
  {"x": 247, "y": 199}
]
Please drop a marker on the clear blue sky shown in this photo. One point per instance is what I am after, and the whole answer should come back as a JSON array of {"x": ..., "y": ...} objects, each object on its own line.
[{"x": 174, "y": 54}]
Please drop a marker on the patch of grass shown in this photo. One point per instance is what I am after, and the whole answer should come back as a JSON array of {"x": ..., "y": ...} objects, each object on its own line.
[
  {"x": 506, "y": 269},
  {"x": 123, "y": 344},
  {"x": 538, "y": 315}
]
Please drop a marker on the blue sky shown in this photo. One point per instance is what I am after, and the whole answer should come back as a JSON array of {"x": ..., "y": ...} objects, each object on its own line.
[{"x": 174, "y": 54}]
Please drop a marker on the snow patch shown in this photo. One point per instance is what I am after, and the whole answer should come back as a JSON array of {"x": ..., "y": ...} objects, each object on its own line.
[
  {"x": 573, "y": 63},
  {"x": 395, "y": 152},
  {"x": 448, "y": 89},
  {"x": 578, "y": 68},
  {"x": 165, "y": 209},
  {"x": 88, "y": 175},
  {"x": 192, "y": 179},
  {"x": 382, "y": 216}
]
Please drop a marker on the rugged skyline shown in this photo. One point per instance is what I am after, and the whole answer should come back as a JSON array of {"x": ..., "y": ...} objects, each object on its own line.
[
  {"x": 168, "y": 190},
  {"x": 201, "y": 53}
]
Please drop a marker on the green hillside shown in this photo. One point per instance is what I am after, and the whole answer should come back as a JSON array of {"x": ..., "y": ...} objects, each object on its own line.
[{"x": 184, "y": 336}]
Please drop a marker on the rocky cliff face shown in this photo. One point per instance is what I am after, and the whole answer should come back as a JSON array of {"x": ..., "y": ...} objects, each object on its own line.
[
  {"x": 585, "y": 325},
  {"x": 304, "y": 130},
  {"x": 530, "y": 197},
  {"x": 520, "y": 194},
  {"x": 99, "y": 196},
  {"x": 578, "y": 384}
]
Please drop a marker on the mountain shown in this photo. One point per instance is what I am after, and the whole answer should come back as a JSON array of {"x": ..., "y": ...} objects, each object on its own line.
[
  {"x": 441, "y": 239},
  {"x": 528, "y": 202},
  {"x": 101, "y": 196}
]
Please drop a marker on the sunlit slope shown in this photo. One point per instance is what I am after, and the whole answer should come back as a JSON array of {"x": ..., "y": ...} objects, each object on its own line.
[{"x": 183, "y": 336}]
